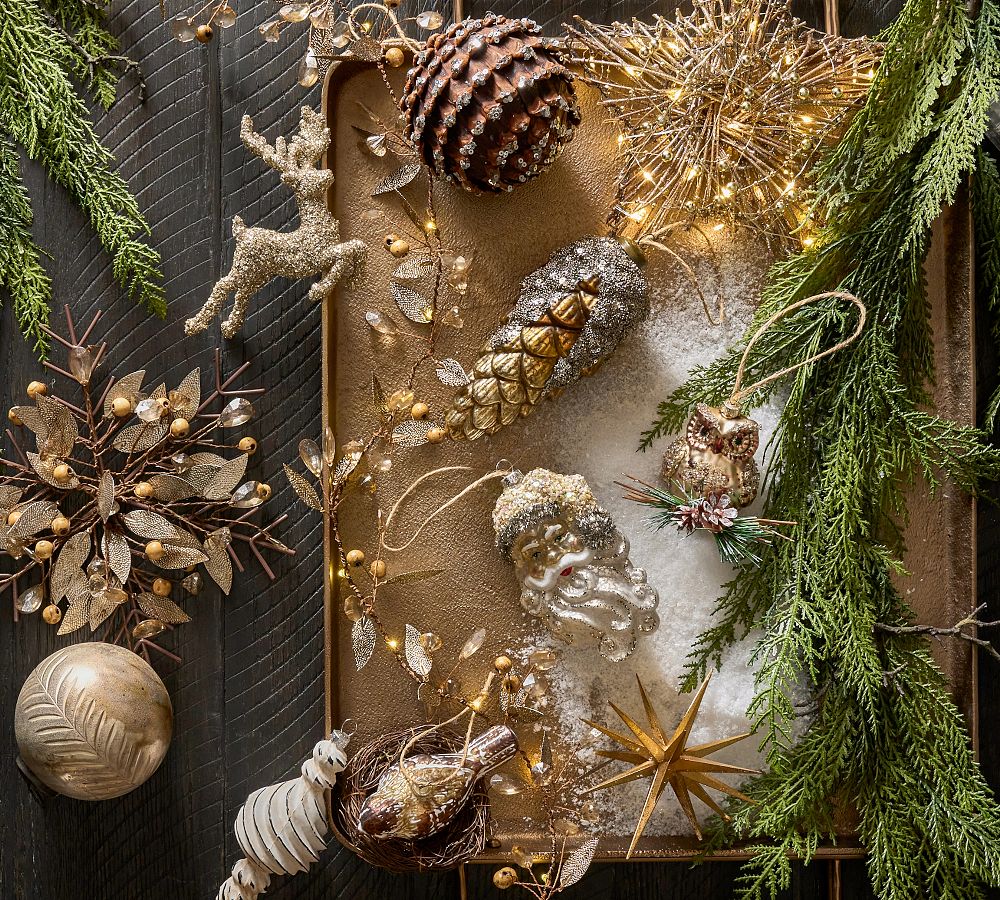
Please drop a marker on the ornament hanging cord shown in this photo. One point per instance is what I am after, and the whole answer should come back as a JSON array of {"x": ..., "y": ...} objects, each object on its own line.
[
  {"x": 733, "y": 404},
  {"x": 501, "y": 472}
]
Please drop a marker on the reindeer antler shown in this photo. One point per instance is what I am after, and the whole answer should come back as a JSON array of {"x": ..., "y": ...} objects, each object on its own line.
[
  {"x": 276, "y": 157},
  {"x": 312, "y": 140}
]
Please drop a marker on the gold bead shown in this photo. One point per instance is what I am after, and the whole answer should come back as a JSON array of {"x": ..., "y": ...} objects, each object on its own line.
[
  {"x": 61, "y": 472},
  {"x": 180, "y": 427},
  {"x": 264, "y": 491},
  {"x": 162, "y": 587},
  {"x": 52, "y": 614},
  {"x": 435, "y": 435},
  {"x": 44, "y": 549},
  {"x": 248, "y": 445},
  {"x": 355, "y": 558},
  {"x": 505, "y": 878},
  {"x": 13, "y": 516},
  {"x": 377, "y": 568},
  {"x": 121, "y": 407},
  {"x": 419, "y": 410},
  {"x": 203, "y": 33},
  {"x": 155, "y": 551},
  {"x": 390, "y": 239},
  {"x": 502, "y": 664},
  {"x": 143, "y": 489},
  {"x": 394, "y": 57},
  {"x": 60, "y": 526},
  {"x": 14, "y": 418},
  {"x": 399, "y": 248},
  {"x": 36, "y": 388}
]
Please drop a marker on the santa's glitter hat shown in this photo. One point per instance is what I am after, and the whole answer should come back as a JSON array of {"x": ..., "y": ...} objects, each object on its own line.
[{"x": 541, "y": 496}]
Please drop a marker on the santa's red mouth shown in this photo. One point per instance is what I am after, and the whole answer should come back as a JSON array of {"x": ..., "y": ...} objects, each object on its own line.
[{"x": 565, "y": 573}]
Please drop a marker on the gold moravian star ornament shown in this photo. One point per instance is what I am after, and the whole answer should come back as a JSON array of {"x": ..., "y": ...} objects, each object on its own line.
[
  {"x": 722, "y": 112},
  {"x": 669, "y": 762}
]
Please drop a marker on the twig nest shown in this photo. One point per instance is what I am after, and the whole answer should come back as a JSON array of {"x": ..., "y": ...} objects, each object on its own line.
[
  {"x": 489, "y": 104},
  {"x": 458, "y": 842}
]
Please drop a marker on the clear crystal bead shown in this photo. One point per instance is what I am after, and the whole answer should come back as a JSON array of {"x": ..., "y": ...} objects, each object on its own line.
[
  {"x": 381, "y": 323},
  {"x": 225, "y": 16},
  {"x": 504, "y": 784},
  {"x": 151, "y": 410},
  {"x": 329, "y": 446},
  {"x": 521, "y": 856},
  {"x": 236, "y": 412},
  {"x": 148, "y": 628},
  {"x": 431, "y": 642},
  {"x": 97, "y": 584},
  {"x": 95, "y": 567},
  {"x": 311, "y": 456},
  {"x": 340, "y": 35},
  {"x": 31, "y": 600},
  {"x": 377, "y": 144},
  {"x": 181, "y": 463},
  {"x": 543, "y": 659},
  {"x": 116, "y": 595},
  {"x": 81, "y": 363},
  {"x": 430, "y": 20},
  {"x": 181, "y": 29},
  {"x": 308, "y": 69},
  {"x": 472, "y": 645},
  {"x": 192, "y": 583},
  {"x": 270, "y": 31},
  {"x": 246, "y": 496},
  {"x": 218, "y": 540},
  {"x": 294, "y": 12}
]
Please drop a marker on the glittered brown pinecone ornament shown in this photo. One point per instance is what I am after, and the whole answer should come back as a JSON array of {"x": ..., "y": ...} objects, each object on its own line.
[
  {"x": 511, "y": 377},
  {"x": 489, "y": 103}
]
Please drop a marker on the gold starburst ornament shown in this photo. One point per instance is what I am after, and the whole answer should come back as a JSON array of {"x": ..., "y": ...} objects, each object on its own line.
[
  {"x": 670, "y": 761},
  {"x": 723, "y": 112}
]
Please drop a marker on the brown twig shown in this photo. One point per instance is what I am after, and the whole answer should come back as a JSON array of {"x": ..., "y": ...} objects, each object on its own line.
[{"x": 956, "y": 630}]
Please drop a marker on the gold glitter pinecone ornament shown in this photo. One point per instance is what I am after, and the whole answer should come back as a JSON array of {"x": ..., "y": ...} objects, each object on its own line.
[
  {"x": 489, "y": 103},
  {"x": 508, "y": 380}
]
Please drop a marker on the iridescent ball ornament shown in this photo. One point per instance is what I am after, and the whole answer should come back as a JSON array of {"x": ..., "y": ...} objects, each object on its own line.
[
  {"x": 573, "y": 564},
  {"x": 489, "y": 104},
  {"x": 93, "y": 721}
]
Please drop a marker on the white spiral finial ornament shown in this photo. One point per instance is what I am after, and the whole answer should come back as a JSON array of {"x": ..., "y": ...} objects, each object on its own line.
[{"x": 282, "y": 827}]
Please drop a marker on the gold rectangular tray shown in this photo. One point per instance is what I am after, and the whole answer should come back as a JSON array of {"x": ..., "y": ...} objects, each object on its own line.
[{"x": 512, "y": 235}]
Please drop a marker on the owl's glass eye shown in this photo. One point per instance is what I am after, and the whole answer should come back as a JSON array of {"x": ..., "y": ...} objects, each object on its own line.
[{"x": 704, "y": 431}]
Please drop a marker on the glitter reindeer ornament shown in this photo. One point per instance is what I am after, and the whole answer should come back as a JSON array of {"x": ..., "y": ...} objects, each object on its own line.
[
  {"x": 572, "y": 563},
  {"x": 313, "y": 248}
]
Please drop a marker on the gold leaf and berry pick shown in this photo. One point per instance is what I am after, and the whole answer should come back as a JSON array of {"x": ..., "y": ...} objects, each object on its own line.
[{"x": 669, "y": 761}]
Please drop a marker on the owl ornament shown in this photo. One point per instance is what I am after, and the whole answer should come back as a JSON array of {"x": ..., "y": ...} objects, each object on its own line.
[
  {"x": 573, "y": 564},
  {"x": 716, "y": 456}
]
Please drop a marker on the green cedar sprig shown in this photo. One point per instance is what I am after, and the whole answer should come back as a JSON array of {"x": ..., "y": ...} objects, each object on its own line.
[
  {"x": 47, "y": 47},
  {"x": 885, "y": 736}
]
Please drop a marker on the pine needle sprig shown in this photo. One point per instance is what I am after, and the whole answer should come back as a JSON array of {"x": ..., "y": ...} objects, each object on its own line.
[
  {"x": 46, "y": 46},
  {"x": 986, "y": 217},
  {"x": 883, "y": 734}
]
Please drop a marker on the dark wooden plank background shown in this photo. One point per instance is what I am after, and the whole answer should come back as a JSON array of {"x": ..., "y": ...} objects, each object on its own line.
[{"x": 249, "y": 696}]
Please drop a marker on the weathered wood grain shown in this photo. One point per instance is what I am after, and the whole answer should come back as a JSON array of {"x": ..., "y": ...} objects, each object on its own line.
[{"x": 248, "y": 697}]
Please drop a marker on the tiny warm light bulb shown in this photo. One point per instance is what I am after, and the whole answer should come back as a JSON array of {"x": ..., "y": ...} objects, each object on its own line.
[
  {"x": 647, "y": 175},
  {"x": 621, "y": 139},
  {"x": 718, "y": 226},
  {"x": 807, "y": 120},
  {"x": 808, "y": 242},
  {"x": 639, "y": 215},
  {"x": 693, "y": 173},
  {"x": 430, "y": 226},
  {"x": 726, "y": 192},
  {"x": 392, "y": 643}
]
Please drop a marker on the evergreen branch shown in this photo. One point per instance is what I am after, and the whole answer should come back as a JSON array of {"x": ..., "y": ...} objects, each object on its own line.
[
  {"x": 42, "y": 49},
  {"x": 986, "y": 218}
]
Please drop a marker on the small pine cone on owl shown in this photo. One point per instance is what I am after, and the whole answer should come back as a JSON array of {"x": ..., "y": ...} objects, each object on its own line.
[
  {"x": 716, "y": 456},
  {"x": 489, "y": 104}
]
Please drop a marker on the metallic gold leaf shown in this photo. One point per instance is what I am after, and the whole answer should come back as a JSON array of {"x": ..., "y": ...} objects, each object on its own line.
[
  {"x": 104, "y": 604},
  {"x": 77, "y": 614},
  {"x": 9, "y": 497},
  {"x": 117, "y": 553},
  {"x": 185, "y": 400},
  {"x": 31, "y": 416},
  {"x": 411, "y": 433},
  {"x": 128, "y": 386},
  {"x": 220, "y": 567},
  {"x": 411, "y": 577},
  {"x": 204, "y": 458},
  {"x": 416, "y": 657},
  {"x": 226, "y": 479},
  {"x": 198, "y": 476},
  {"x": 69, "y": 565},
  {"x": 61, "y": 429},
  {"x": 175, "y": 557},
  {"x": 149, "y": 525},
  {"x": 161, "y": 608},
  {"x": 347, "y": 464},
  {"x": 366, "y": 48},
  {"x": 451, "y": 372},
  {"x": 521, "y": 713},
  {"x": 44, "y": 468},
  {"x": 412, "y": 304},
  {"x": 575, "y": 866},
  {"x": 398, "y": 179},
  {"x": 106, "y": 496},
  {"x": 413, "y": 267},
  {"x": 379, "y": 402},
  {"x": 34, "y": 517},
  {"x": 301, "y": 485},
  {"x": 363, "y": 637},
  {"x": 140, "y": 437},
  {"x": 171, "y": 488},
  {"x": 159, "y": 392}
]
